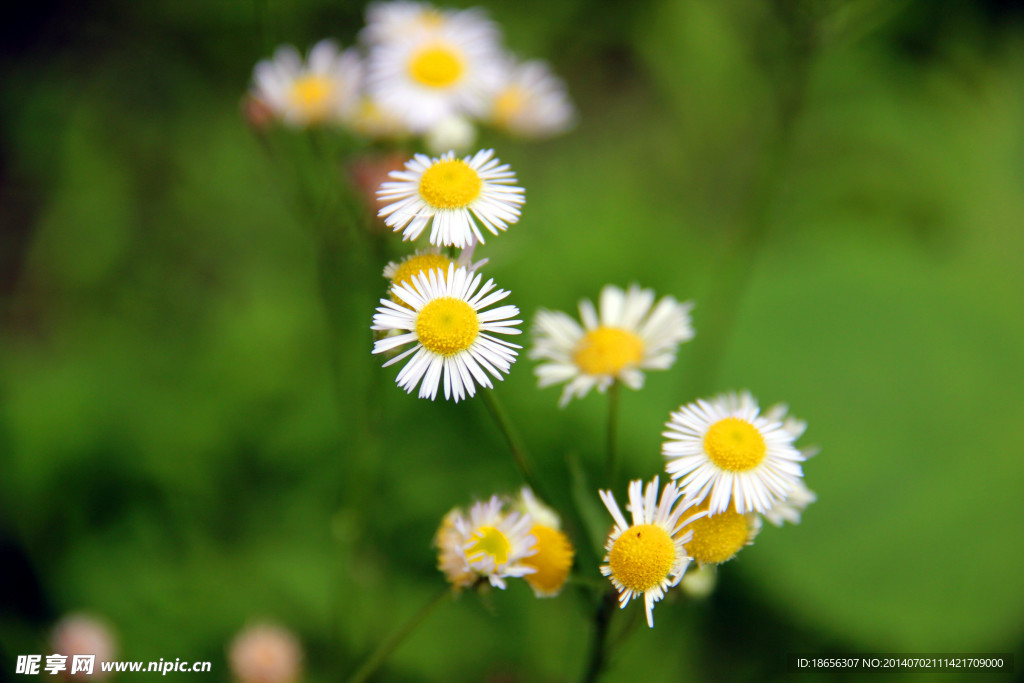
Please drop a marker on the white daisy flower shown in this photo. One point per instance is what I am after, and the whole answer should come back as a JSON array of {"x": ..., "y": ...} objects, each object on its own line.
[
  {"x": 649, "y": 555},
  {"x": 790, "y": 509},
  {"x": 451, "y": 195},
  {"x": 724, "y": 448},
  {"x": 322, "y": 89},
  {"x": 627, "y": 336},
  {"x": 446, "y": 66},
  {"x": 495, "y": 542},
  {"x": 443, "y": 316},
  {"x": 532, "y": 101}
]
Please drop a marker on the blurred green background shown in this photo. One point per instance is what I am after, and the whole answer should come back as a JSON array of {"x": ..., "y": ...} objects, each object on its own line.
[{"x": 838, "y": 185}]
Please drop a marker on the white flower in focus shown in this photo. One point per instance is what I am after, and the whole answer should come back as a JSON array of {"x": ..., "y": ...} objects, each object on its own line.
[
  {"x": 437, "y": 66},
  {"x": 443, "y": 316},
  {"x": 322, "y": 89},
  {"x": 724, "y": 448},
  {"x": 265, "y": 653},
  {"x": 648, "y": 556},
  {"x": 629, "y": 334},
  {"x": 532, "y": 102},
  {"x": 451, "y": 195}
]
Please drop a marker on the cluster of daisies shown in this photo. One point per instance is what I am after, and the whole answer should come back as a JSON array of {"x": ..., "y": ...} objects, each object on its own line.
[
  {"x": 418, "y": 71},
  {"x": 427, "y": 71}
]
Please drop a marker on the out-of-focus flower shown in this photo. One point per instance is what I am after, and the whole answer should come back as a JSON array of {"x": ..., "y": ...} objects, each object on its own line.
[
  {"x": 726, "y": 450},
  {"x": 424, "y": 66},
  {"x": 451, "y": 195},
  {"x": 84, "y": 634},
  {"x": 443, "y": 316},
  {"x": 452, "y": 133},
  {"x": 321, "y": 89},
  {"x": 625, "y": 337},
  {"x": 494, "y": 541},
  {"x": 554, "y": 552},
  {"x": 717, "y": 539},
  {"x": 265, "y": 653},
  {"x": 532, "y": 102}
]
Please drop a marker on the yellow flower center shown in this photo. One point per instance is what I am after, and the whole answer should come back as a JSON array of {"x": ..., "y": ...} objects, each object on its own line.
[
  {"x": 310, "y": 94},
  {"x": 552, "y": 560},
  {"x": 508, "y": 104},
  {"x": 447, "y": 326},
  {"x": 415, "y": 265},
  {"x": 450, "y": 184},
  {"x": 608, "y": 351},
  {"x": 735, "y": 445},
  {"x": 642, "y": 557},
  {"x": 717, "y": 539},
  {"x": 437, "y": 66},
  {"x": 490, "y": 541}
]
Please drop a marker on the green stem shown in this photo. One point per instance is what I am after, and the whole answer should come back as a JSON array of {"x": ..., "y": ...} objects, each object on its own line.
[
  {"x": 613, "y": 430},
  {"x": 598, "y": 645},
  {"x": 515, "y": 444},
  {"x": 391, "y": 644}
]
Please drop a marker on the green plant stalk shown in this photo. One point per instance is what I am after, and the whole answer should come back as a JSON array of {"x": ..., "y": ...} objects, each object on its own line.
[
  {"x": 515, "y": 444},
  {"x": 613, "y": 433},
  {"x": 390, "y": 644}
]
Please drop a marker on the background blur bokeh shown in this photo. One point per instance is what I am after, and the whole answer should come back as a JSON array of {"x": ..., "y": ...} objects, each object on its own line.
[{"x": 838, "y": 185}]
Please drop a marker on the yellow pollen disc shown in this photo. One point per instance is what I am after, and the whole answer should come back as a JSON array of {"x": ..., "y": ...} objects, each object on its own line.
[
  {"x": 447, "y": 326},
  {"x": 717, "y": 539},
  {"x": 415, "y": 265},
  {"x": 310, "y": 94},
  {"x": 608, "y": 351},
  {"x": 436, "y": 66},
  {"x": 450, "y": 184},
  {"x": 735, "y": 445},
  {"x": 489, "y": 541},
  {"x": 642, "y": 557},
  {"x": 552, "y": 560},
  {"x": 508, "y": 104}
]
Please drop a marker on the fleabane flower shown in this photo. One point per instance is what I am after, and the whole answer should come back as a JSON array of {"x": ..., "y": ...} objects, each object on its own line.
[
  {"x": 442, "y": 313},
  {"x": 452, "y": 196},
  {"x": 324, "y": 88},
  {"x": 554, "y": 551},
  {"x": 532, "y": 102},
  {"x": 494, "y": 542},
  {"x": 717, "y": 539},
  {"x": 629, "y": 334},
  {"x": 648, "y": 556},
  {"x": 423, "y": 67},
  {"x": 726, "y": 450}
]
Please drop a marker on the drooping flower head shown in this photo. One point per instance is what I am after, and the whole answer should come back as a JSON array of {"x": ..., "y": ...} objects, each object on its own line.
[
  {"x": 321, "y": 89},
  {"x": 627, "y": 335},
  {"x": 726, "y": 450},
  {"x": 425, "y": 65},
  {"x": 532, "y": 102},
  {"x": 452, "y": 196},
  {"x": 648, "y": 556},
  {"x": 442, "y": 313},
  {"x": 493, "y": 542},
  {"x": 554, "y": 551}
]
